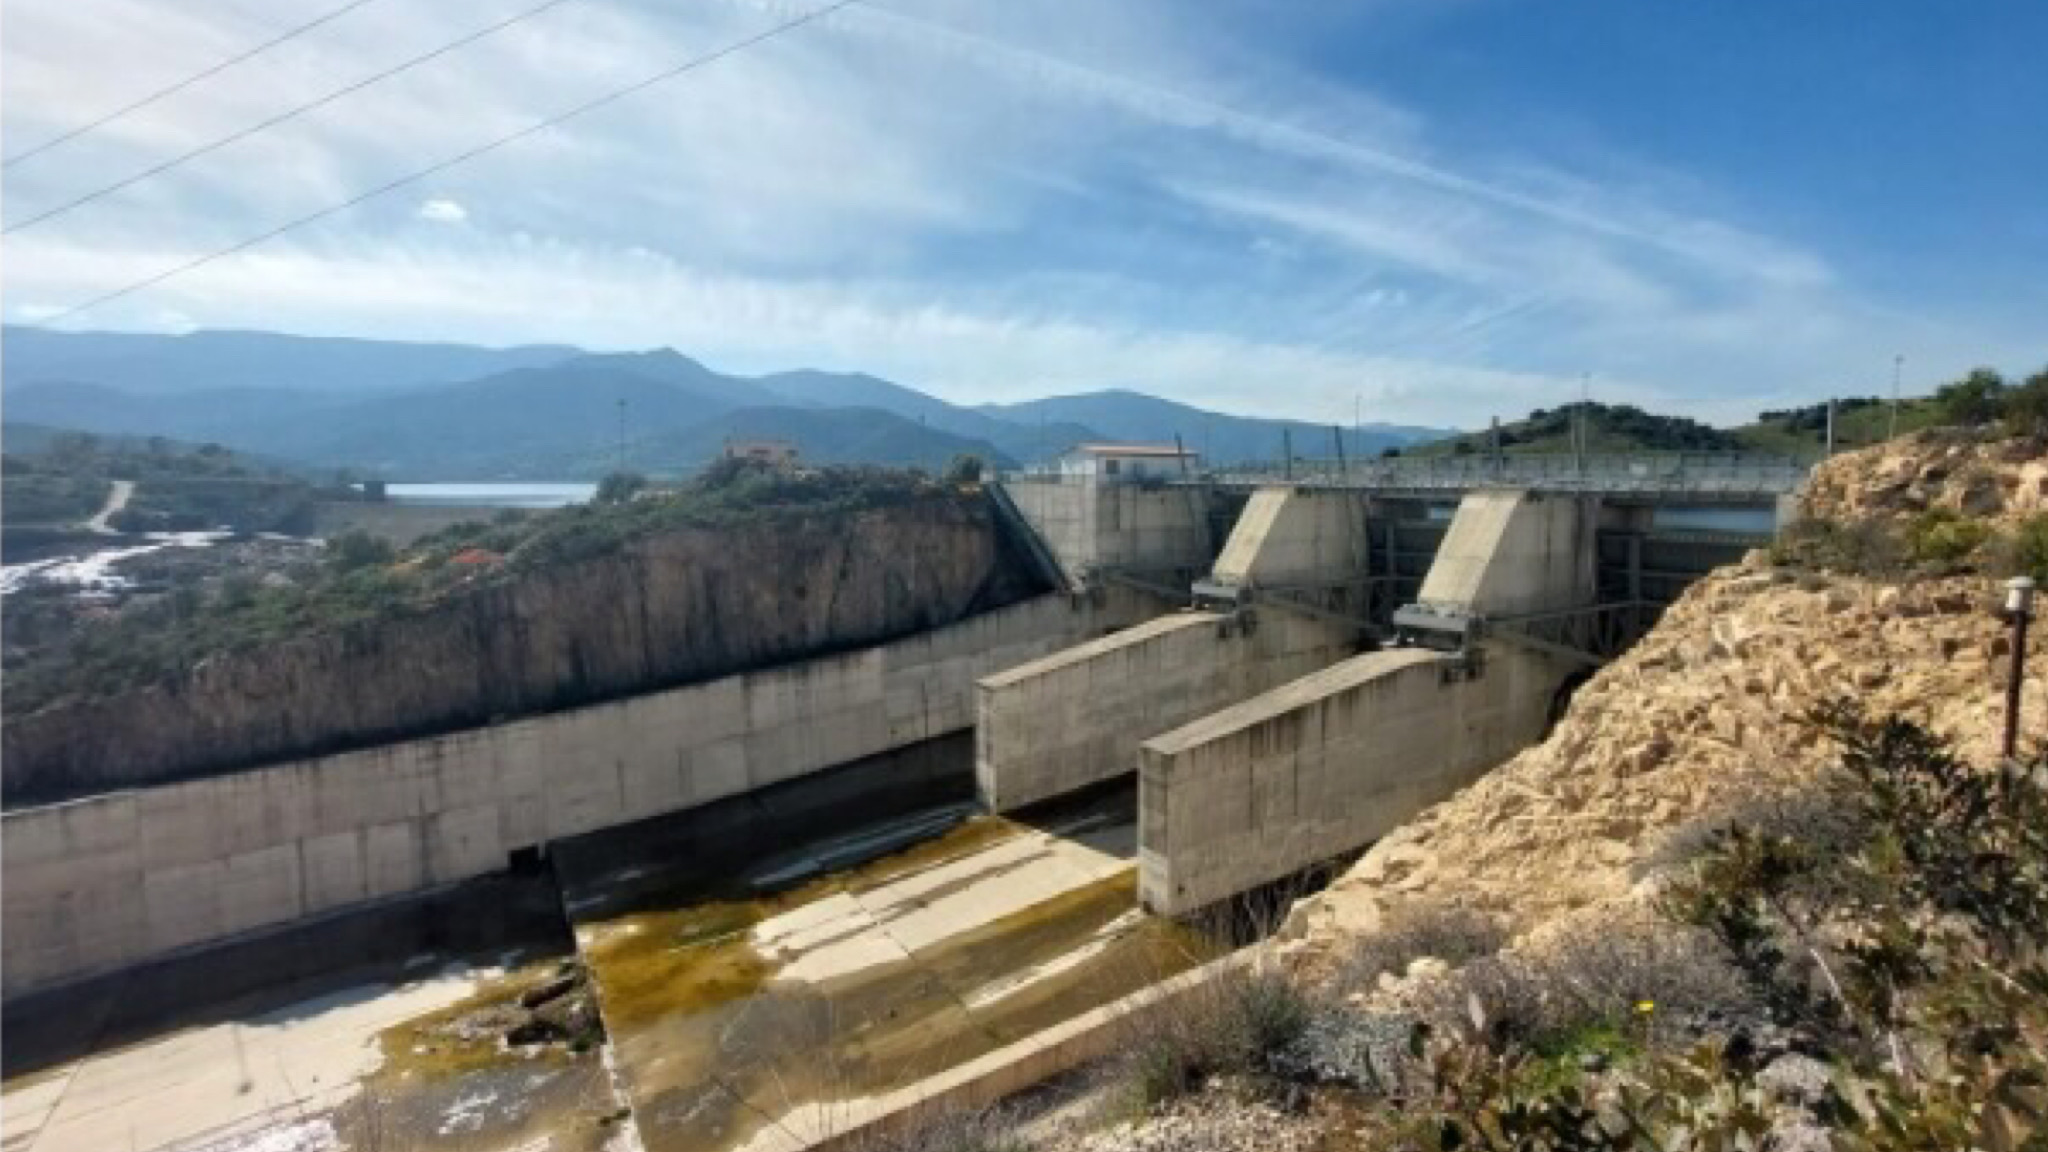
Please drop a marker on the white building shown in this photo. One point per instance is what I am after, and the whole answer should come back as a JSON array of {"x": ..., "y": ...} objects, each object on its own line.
[{"x": 1128, "y": 461}]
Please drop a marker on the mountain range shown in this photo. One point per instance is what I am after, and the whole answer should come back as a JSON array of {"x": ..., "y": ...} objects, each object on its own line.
[{"x": 450, "y": 411}]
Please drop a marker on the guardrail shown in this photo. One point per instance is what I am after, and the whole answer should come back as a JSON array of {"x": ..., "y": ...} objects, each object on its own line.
[
  {"x": 1729, "y": 476},
  {"x": 1731, "y": 473}
]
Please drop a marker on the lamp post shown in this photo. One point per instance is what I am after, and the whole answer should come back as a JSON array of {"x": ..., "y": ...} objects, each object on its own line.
[{"x": 2019, "y": 609}]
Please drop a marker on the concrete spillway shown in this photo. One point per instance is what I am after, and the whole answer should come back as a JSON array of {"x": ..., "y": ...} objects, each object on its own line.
[{"x": 792, "y": 1002}]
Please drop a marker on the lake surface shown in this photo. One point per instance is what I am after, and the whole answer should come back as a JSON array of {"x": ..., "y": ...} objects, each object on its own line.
[{"x": 494, "y": 494}]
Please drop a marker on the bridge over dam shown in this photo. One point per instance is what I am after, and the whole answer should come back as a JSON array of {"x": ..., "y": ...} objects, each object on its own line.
[{"x": 1235, "y": 678}]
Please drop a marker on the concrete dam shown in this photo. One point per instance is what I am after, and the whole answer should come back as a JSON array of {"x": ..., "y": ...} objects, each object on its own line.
[{"x": 937, "y": 858}]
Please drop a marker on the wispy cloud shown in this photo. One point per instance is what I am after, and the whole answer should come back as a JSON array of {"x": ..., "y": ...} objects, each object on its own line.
[{"x": 981, "y": 203}]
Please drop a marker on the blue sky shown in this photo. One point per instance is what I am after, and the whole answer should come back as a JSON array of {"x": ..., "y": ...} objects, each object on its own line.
[{"x": 1448, "y": 208}]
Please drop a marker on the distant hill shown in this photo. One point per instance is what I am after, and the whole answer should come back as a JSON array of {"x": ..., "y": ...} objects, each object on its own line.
[
  {"x": 1020, "y": 440},
  {"x": 447, "y": 411},
  {"x": 1609, "y": 428},
  {"x": 562, "y": 420},
  {"x": 1859, "y": 421},
  {"x": 1123, "y": 415},
  {"x": 153, "y": 365}
]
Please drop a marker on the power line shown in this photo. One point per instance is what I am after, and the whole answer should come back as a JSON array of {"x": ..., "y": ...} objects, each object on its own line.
[
  {"x": 463, "y": 157},
  {"x": 288, "y": 114},
  {"x": 187, "y": 82}
]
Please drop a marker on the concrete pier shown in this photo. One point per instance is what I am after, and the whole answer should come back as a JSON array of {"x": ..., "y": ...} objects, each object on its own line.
[
  {"x": 1293, "y": 537},
  {"x": 1074, "y": 718}
]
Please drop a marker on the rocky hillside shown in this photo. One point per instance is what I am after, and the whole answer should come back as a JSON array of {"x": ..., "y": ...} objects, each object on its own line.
[
  {"x": 671, "y": 606},
  {"x": 2002, "y": 480}
]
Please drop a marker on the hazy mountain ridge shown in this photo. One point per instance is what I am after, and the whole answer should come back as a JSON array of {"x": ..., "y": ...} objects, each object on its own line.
[
  {"x": 1123, "y": 414},
  {"x": 555, "y": 411}
]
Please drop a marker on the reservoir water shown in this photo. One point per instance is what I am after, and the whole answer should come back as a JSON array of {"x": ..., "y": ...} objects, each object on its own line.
[{"x": 493, "y": 494}]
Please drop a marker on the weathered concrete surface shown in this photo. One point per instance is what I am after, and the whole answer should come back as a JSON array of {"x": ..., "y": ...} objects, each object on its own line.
[
  {"x": 1090, "y": 525},
  {"x": 399, "y": 1050},
  {"x": 1289, "y": 536},
  {"x": 1509, "y": 553},
  {"x": 787, "y": 1003},
  {"x": 1075, "y": 718},
  {"x": 1332, "y": 761},
  {"x": 683, "y": 606},
  {"x": 1325, "y": 765},
  {"x": 116, "y": 879}
]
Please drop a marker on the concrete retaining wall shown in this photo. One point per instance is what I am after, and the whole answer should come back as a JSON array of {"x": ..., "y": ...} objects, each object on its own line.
[
  {"x": 1091, "y": 525},
  {"x": 100, "y": 883},
  {"x": 1324, "y": 765},
  {"x": 1075, "y": 718}
]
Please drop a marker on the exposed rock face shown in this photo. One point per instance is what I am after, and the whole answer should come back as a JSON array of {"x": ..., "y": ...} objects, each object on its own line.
[
  {"x": 688, "y": 605},
  {"x": 2000, "y": 480},
  {"x": 1701, "y": 720}
]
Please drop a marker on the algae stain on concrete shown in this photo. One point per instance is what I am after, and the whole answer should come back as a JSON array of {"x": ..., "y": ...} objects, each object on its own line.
[{"x": 737, "y": 1020}]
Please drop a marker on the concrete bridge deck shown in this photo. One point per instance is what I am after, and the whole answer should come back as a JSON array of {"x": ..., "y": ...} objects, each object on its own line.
[{"x": 1682, "y": 478}]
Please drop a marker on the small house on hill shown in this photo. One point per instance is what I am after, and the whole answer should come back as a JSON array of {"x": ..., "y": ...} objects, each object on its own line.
[
  {"x": 777, "y": 453},
  {"x": 1128, "y": 461}
]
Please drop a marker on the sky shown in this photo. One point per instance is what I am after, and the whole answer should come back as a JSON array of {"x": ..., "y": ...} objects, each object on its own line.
[{"x": 1414, "y": 211}]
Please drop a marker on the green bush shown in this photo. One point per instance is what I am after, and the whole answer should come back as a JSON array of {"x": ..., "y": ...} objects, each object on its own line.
[
  {"x": 356, "y": 550},
  {"x": 1945, "y": 538}
]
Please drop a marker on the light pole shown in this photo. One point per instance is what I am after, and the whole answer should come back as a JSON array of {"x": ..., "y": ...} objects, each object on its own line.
[{"x": 2019, "y": 609}]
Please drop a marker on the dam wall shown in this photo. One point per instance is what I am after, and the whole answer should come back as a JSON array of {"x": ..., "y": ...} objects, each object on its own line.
[
  {"x": 1325, "y": 765},
  {"x": 122, "y": 878}
]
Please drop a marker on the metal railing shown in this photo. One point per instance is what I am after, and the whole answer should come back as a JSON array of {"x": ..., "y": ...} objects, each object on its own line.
[{"x": 1732, "y": 474}]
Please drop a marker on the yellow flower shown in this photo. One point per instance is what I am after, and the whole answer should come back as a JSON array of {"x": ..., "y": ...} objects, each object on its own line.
[{"x": 1646, "y": 1006}]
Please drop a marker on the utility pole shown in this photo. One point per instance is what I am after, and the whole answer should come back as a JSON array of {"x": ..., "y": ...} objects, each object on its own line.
[
  {"x": 1898, "y": 362},
  {"x": 2019, "y": 609},
  {"x": 1357, "y": 421},
  {"x": 622, "y": 434},
  {"x": 1287, "y": 453},
  {"x": 1579, "y": 425},
  {"x": 1829, "y": 451}
]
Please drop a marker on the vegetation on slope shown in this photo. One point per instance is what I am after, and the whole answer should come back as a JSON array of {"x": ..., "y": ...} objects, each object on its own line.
[
  {"x": 1981, "y": 399},
  {"x": 1872, "y": 978},
  {"x": 364, "y": 579},
  {"x": 64, "y": 478},
  {"x": 1606, "y": 428}
]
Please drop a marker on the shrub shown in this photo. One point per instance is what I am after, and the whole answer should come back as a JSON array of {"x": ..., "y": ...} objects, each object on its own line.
[
  {"x": 352, "y": 551},
  {"x": 1860, "y": 547},
  {"x": 1453, "y": 933},
  {"x": 966, "y": 468},
  {"x": 619, "y": 487},
  {"x": 1945, "y": 538},
  {"x": 2023, "y": 551},
  {"x": 1243, "y": 1022}
]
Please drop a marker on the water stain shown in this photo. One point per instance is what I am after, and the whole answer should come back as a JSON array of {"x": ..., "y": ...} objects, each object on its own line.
[{"x": 732, "y": 1015}]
